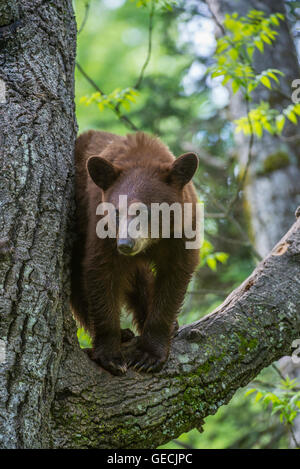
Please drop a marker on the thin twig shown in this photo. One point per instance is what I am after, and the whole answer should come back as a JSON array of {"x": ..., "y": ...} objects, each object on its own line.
[
  {"x": 147, "y": 60},
  {"x": 297, "y": 445},
  {"x": 86, "y": 14},
  {"x": 182, "y": 444},
  {"x": 278, "y": 371},
  {"x": 89, "y": 79},
  {"x": 218, "y": 23}
]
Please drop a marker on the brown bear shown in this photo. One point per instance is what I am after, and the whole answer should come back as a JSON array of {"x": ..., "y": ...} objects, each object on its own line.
[{"x": 147, "y": 276}]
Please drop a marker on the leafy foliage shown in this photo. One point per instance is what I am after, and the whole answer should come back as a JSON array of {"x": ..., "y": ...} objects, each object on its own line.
[
  {"x": 164, "y": 4},
  {"x": 234, "y": 53},
  {"x": 284, "y": 400},
  {"x": 264, "y": 117},
  {"x": 210, "y": 257},
  {"x": 116, "y": 98},
  {"x": 234, "y": 62}
]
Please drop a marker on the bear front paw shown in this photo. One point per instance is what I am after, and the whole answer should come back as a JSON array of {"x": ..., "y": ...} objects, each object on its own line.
[
  {"x": 146, "y": 360},
  {"x": 111, "y": 361}
]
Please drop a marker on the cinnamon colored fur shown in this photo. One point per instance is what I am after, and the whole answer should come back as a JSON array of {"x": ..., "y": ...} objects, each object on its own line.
[{"x": 103, "y": 279}]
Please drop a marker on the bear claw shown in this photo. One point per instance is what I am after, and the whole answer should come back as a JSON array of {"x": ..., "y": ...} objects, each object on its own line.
[
  {"x": 145, "y": 362},
  {"x": 116, "y": 365}
]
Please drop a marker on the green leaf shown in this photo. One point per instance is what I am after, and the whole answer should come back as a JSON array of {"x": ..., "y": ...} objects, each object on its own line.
[
  {"x": 258, "y": 128},
  {"x": 280, "y": 122},
  {"x": 292, "y": 416},
  {"x": 266, "y": 39},
  {"x": 260, "y": 45},
  {"x": 212, "y": 263},
  {"x": 217, "y": 73},
  {"x": 292, "y": 117},
  {"x": 272, "y": 75},
  {"x": 235, "y": 86},
  {"x": 250, "y": 51},
  {"x": 233, "y": 54},
  {"x": 266, "y": 82},
  {"x": 83, "y": 99},
  {"x": 222, "y": 257},
  {"x": 274, "y": 20},
  {"x": 251, "y": 87},
  {"x": 226, "y": 80},
  {"x": 126, "y": 105}
]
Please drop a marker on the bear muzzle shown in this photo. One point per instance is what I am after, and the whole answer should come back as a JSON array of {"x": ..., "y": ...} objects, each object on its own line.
[
  {"x": 126, "y": 246},
  {"x": 131, "y": 247}
]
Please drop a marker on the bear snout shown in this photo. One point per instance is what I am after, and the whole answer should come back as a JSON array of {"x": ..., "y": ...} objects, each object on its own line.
[{"x": 125, "y": 246}]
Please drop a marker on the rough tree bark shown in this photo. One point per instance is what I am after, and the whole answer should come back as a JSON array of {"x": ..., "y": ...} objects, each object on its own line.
[
  {"x": 37, "y": 132},
  {"x": 51, "y": 395},
  {"x": 272, "y": 190}
]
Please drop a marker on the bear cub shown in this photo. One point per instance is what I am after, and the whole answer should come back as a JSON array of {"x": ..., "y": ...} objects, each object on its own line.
[{"x": 148, "y": 276}]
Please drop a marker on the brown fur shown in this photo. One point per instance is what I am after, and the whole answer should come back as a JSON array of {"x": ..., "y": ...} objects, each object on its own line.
[{"x": 103, "y": 279}]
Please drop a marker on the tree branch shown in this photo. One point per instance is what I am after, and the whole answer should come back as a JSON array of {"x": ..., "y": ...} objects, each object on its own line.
[
  {"x": 147, "y": 60},
  {"x": 209, "y": 361},
  {"x": 86, "y": 14}
]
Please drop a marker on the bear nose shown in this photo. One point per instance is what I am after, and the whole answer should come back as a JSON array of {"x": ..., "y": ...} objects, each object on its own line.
[{"x": 125, "y": 246}]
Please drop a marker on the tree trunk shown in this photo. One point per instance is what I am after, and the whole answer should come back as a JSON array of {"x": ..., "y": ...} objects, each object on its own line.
[
  {"x": 37, "y": 132},
  {"x": 272, "y": 190},
  {"x": 51, "y": 394}
]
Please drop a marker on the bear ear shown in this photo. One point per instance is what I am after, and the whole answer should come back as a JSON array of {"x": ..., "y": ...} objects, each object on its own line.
[
  {"x": 183, "y": 169},
  {"x": 102, "y": 172}
]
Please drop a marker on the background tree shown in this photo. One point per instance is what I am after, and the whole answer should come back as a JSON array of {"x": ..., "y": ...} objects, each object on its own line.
[{"x": 272, "y": 162}]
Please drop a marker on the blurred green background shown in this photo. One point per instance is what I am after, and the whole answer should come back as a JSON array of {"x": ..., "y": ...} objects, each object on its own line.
[{"x": 178, "y": 102}]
